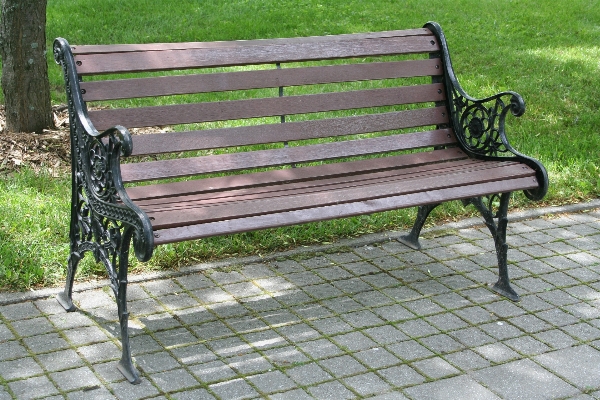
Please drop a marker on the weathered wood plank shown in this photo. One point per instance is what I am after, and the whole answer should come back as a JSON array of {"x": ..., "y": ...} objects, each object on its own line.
[
  {"x": 163, "y": 169},
  {"x": 264, "y": 107},
  {"x": 339, "y": 195},
  {"x": 244, "y": 80},
  {"x": 240, "y": 54},
  {"x": 288, "y": 132},
  {"x": 291, "y": 175},
  {"x": 340, "y": 210}
]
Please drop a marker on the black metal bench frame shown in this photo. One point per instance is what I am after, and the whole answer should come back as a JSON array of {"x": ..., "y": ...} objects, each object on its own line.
[{"x": 106, "y": 218}]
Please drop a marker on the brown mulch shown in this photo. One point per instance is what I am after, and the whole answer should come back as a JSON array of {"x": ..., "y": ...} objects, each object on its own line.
[{"x": 47, "y": 152}]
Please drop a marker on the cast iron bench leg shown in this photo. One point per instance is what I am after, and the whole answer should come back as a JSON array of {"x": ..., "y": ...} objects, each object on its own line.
[
  {"x": 126, "y": 364},
  {"x": 412, "y": 239},
  {"x": 65, "y": 298},
  {"x": 498, "y": 231}
]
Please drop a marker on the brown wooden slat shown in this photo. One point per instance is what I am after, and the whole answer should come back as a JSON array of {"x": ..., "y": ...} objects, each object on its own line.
[
  {"x": 291, "y": 175},
  {"x": 120, "y": 48},
  {"x": 186, "y": 202},
  {"x": 221, "y": 56},
  {"x": 340, "y": 210},
  {"x": 288, "y": 132},
  {"x": 242, "y": 209},
  {"x": 264, "y": 107},
  {"x": 269, "y": 158},
  {"x": 217, "y": 82}
]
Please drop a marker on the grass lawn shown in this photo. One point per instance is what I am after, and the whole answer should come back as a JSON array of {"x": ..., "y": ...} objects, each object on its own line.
[{"x": 547, "y": 51}]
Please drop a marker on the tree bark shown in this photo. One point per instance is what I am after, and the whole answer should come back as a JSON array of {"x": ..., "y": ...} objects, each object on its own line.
[{"x": 24, "y": 66}]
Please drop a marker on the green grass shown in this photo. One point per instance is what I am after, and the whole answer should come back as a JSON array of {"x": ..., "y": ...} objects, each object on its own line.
[{"x": 547, "y": 51}]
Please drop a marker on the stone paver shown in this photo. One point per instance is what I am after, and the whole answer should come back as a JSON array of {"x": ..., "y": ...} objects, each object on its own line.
[{"x": 375, "y": 320}]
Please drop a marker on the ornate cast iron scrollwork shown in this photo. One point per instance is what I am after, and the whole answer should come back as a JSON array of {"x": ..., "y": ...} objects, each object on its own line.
[
  {"x": 104, "y": 221},
  {"x": 479, "y": 124}
]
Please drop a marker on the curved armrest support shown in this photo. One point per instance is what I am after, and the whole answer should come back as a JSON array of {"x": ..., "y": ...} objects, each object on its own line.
[
  {"x": 479, "y": 124},
  {"x": 95, "y": 159}
]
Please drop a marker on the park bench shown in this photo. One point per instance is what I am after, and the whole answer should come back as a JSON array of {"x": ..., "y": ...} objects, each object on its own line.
[{"x": 276, "y": 132}]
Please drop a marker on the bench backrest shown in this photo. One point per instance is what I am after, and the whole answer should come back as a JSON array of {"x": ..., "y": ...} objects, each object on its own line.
[{"x": 268, "y": 103}]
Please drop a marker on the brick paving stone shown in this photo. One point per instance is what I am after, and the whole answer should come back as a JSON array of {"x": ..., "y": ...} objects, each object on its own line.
[
  {"x": 362, "y": 319},
  {"x": 401, "y": 376},
  {"x": 474, "y": 315},
  {"x": 100, "y": 352},
  {"x": 557, "y": 317},
  {"x": 32, "y": 327},
  {"x": 271, "y": 382},
  {"x": 373, "y": 298},
  {"x": 385, "y": 334},
  {"x": 527, "y": 345},
  {"x": 471, "y": 336},
  {"x": 11, "y": 350},
  {"x": 45, "y": 343},
  {"x": 32, "y": 388},
  {"x": 331, "y": 391},
  {"x": 352, "y": 286},
  {"x": 429, "y": 287},
  {"x": 578, "y": 365},
  {"x": 19, "y": 368},
  {"x": 496, "y": 352},
  {"x": 5, "y": 333},
  {"x": 377, "y": 357},
  {"x": 321, "y": 348},
  {"x": 393, "y": 313},
  {"x": 354, "y": 341},
  {"x": 144, "y": 390},
  {"x": 75, "y": 378},
  {"x": 417, "y": 328},
  {"x": 533, "y": 303},
  {"x": 15, "y": 312},
  {"x": 446, "y": 322},
  {"x": 298, "y": 332},
  {"x": 308, "y": 374},
  {"x": 367, "y": 384},
  {"x": 435, "y": 368},
  {"x": 331, "y": 326},
  {"x": 249, "y": 363},
  {"x": 441, "y": 344},
  {"x": 60, "y": 360},
  {"x": 555, "y": 338},
  {"x": 582, "y": 331},
  {"x": 196, "y": 394},
  {"x": 174, "y": 380},
  {"x": 423, "y": 307},
  {"x": 342, "y": 366},
  {"x": 524, "y": 379},
  {"x": 467, "y": 360},
  {"x": 504, "y": 309},
  {"x": 409, "y": 351},
  {"x": 450, "y": 301},
  {"x": 460, "y": 387},
  {"x": 285, "y": 356},
  {"x": 529, "y": 323}
]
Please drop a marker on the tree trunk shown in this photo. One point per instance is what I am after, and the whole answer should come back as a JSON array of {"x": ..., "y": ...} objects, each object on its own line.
[{"x": 24, "y": 66}]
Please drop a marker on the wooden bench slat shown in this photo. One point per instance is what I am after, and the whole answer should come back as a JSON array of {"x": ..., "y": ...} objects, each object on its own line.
[
  {"x": 338, "y": 210},
  {"x": 124, "y": 48},
  {"x": 265, "y": 107},
  {"x": 248, "y": 54},
  {"x": 318, "y": 198},
  {"x": 244, "y": 80},
  {"x": 290, "y": 175},
  {"x": 278, "y": 190},
  {"x": 288, "y": 132},
  {"x": 174, "y": 168}
]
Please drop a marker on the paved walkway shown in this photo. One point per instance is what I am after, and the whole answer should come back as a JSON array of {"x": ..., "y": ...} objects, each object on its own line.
[{"x": 364, "y": 319}]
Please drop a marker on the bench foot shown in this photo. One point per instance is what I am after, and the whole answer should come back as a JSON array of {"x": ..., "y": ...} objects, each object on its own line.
[
  {"x": 412, "y": 239},
  {"x": 65, "y": 298},
  {"x": 498, "y": 231}
]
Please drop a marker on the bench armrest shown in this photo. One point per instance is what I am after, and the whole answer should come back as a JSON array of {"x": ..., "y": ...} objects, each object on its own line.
[
  {"x": 96, "y": 174},
  {"x": 479, "y": 124}
]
